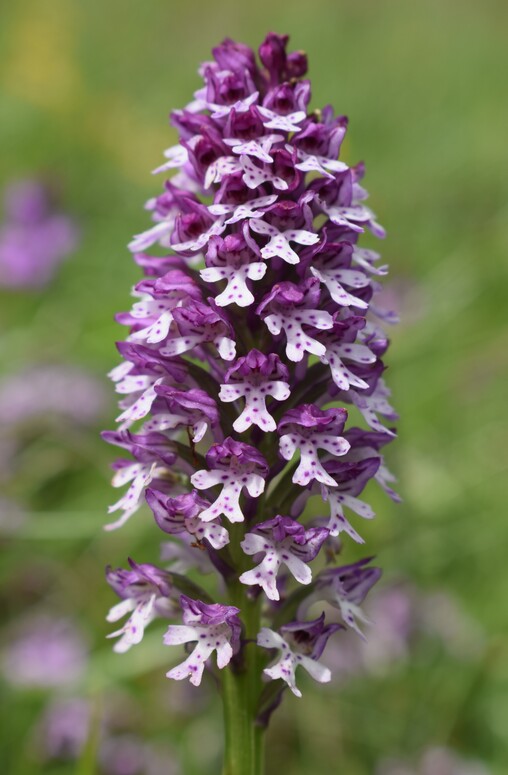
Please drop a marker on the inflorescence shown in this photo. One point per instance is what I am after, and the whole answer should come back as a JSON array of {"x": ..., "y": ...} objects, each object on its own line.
[{"x": 252, "y": 328}]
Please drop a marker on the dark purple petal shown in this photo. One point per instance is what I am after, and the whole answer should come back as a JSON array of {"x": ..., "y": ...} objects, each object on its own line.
[
  {"x": 311, "y": 637},
  {"x": 309, "y": 416},
  {"x": 141, "y": 577},
  {"x": 145, "y": 447},
  {"x": 352, "y": 581},
  {"x": 171, "y": 513},
  {"x": 231, "y": 453},
  {"x": 194, "y": 611}
]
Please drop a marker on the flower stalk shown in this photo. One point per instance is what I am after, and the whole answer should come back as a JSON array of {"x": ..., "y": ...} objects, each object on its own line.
[{"x": 241, "y": 688}]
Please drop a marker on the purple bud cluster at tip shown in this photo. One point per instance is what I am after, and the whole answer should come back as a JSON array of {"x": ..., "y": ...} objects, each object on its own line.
[{"x": 254, "y": 328}]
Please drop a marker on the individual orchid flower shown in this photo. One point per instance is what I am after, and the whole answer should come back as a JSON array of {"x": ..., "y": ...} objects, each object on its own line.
[
  {"x": 145, "y": 593},
  {"x": 255, "y": 176},
  {"x": 182, "y": 514},
  {"x": 195, "y": 245},
  {"x": 252, "y": 209},
  {"x": 316, "y": 162},
  {"x": 375, "y": 402},
  {"x": 256, "y": 377},
  {"x": 196, "y": 324},
  {"x": 215, "y": 628},
  {"x": 153, "y": 454},
  {"x": 345, "y": 588},
  {"x": 193, "y": 409},
  {"x": 158, "y": 233},
  {"x": 278, "y": 245},
  {"x": 221, "y": 111},
  {"x": 231, "y": 259},
  {"x": 343, "y": 205},
  {"x": 289, "y": 123},
  {"x": 366, "y": 444},
  {"x": 288, "y": 307},
  {"x": 235, "y": 466},
  {"x": 333, "y": 269},
  {"x": 177, "y": 156},
  {"x": 350, "y": 479},
  {"x": 308, "y": 430},
  {"x": 283, "y": 542},
  {"x": 303, "y": 644},
  {"x": 154, "y": 311},
  {"x": 260, "y": 148},
  {"x": 344, "y": 353}
]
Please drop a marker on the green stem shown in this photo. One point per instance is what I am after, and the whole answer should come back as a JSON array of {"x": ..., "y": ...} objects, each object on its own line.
[{"x": 241, "y": 688}]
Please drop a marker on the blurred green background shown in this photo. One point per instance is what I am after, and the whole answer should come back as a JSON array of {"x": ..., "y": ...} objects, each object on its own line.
[{"x": 86, "y": 90}]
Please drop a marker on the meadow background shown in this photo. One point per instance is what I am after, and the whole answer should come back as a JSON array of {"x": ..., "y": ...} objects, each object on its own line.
[{"x": 86, "y": 90}]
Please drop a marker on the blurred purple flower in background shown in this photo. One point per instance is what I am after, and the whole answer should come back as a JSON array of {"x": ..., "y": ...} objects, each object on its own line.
[
  {"x": 127, "y": 754},
  {"x": 404, "y": 616},
  {"x": 41, "y": 403},
  {"x": 50, "y": 391},
  {"x": 65, "y": 727},
  {"x": 12, "y": 514},
  {"x": 46, "y": 652},
  {"x": 69, "y": 723},
  {"x": 34, "y": 237},
  {"x": 434, "y": 761}
]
